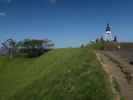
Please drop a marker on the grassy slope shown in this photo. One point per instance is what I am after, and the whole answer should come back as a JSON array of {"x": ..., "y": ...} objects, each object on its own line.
[{"x": 63, "y": 74}]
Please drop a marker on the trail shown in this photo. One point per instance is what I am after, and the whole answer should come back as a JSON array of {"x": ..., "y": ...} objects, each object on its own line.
[{"x": 114, "y": 71}]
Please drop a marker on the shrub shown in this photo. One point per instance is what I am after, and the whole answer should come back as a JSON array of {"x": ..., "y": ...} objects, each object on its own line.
[{"x": 34, "y": 48}]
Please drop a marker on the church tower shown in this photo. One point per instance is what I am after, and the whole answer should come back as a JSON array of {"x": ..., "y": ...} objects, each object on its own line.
[{"x": 108, "y": 34}]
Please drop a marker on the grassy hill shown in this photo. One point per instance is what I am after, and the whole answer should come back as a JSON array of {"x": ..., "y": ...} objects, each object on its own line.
[{"x": 62, "y": 74}]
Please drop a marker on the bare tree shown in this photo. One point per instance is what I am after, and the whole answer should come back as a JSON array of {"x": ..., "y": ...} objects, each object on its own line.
[{"x": 10, "y": 45}]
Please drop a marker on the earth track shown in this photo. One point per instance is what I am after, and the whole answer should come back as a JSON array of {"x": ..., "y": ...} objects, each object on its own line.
[{"x": 116, "y": 70}]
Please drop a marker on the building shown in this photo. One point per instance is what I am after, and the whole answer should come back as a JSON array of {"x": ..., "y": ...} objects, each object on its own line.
[{"x": 108, "y": 34}]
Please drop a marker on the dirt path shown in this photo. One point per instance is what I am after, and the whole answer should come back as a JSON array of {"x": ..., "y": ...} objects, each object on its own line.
[{"x": 114, "y": 71}]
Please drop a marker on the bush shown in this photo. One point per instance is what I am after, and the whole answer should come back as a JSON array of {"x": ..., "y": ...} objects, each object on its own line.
[
  {"x": 97, "y": 46},
  {"x": 34, "y": 48}
]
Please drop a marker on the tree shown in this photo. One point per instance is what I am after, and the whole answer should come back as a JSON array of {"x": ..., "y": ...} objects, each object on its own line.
[
  {"x": 101, "y": 39},
  {"x": 97, "y": 40},
  {"x": 34, "y": 47},
  {"x": 10, "y": 46},
  {"x": 115, "y": 39},
  {"x": 82, "y": 46}
]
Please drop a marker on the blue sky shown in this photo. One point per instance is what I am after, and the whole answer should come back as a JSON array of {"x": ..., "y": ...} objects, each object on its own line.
[{"x": 66, "y": 22}]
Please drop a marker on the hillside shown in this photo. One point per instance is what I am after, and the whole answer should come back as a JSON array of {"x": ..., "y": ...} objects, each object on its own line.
[{"x": 62, "y": 74}]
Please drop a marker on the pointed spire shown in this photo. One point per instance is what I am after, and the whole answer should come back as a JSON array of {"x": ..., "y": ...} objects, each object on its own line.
[{"x": 108, "y": 28}]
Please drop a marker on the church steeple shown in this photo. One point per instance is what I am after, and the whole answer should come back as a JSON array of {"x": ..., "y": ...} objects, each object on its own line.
[
  {"x": 108, "y": 33},
  {"x": 108, "y": 28}
]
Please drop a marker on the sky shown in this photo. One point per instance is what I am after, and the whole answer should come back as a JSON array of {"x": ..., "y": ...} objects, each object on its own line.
[{"x": 66, "y": 22}]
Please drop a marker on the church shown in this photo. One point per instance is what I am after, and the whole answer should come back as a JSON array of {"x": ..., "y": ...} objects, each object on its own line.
[{"x": 108, "y": 36}]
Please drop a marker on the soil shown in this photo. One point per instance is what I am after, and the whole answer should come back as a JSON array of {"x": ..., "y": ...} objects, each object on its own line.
[{"x": 119, "y": 70}]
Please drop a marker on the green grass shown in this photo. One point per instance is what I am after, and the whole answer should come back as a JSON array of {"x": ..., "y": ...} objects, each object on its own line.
[{"x": 62, "y": 74}]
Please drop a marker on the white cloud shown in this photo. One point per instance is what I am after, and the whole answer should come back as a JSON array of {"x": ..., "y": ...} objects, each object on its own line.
[
  {"x": 2, "y": 14},
  {"x": 52, "y": 1}
]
